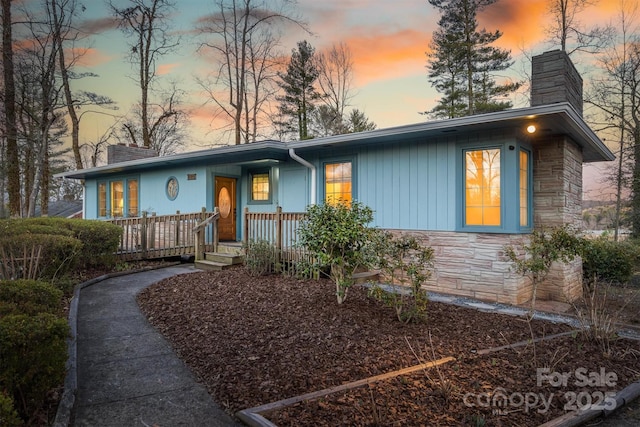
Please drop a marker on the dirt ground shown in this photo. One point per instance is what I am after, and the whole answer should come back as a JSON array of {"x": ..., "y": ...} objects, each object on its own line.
[{"x": 255, "y": 340}]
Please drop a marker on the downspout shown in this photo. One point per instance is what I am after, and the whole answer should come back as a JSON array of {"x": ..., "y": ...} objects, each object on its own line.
[{"x": 294, "y": 156}]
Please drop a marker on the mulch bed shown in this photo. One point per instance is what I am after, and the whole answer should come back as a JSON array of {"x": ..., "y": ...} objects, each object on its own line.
[{"x": 255, "y": 340}]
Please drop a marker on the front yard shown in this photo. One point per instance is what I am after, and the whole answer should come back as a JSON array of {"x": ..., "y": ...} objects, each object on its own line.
[{"x": 253, "y": 341}]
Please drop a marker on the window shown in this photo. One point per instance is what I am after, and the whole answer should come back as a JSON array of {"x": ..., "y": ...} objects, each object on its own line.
[
  {"x": 102, "y": 199},
  {"x": 337, "y": 183},
  {"x": 482, "y": 187},
  {"x": 118, "y": 198},
  {"x": 259, "y": 187},
  {"x": 132, "y": 187},
  {"x": 524, "y": 188}
]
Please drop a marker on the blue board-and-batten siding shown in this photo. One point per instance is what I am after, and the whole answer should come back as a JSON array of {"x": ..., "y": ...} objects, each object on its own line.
[{"x": 409, "y": 186}]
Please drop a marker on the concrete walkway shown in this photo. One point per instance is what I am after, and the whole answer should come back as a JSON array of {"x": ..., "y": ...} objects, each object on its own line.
[{"x": 127, "y": 373}]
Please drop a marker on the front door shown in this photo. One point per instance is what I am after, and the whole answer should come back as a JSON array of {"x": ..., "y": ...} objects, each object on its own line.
[{"x": 226, "y": 202}]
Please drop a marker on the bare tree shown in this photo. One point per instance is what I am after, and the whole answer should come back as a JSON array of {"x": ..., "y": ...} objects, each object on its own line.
[
  {"x": 146, "y": 22},
  {"x": 12, "y": 158},
  {"x": 243, "y": 36},
  {"x": 568, "y": 32},
  {"x": 66, "y": 34},
  {"x": 336, "y": 77},
  {"x": 168, "y": 124},
  {"x": 616, "y": 94}
]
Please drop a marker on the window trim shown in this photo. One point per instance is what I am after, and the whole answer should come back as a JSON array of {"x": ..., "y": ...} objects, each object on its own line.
[
  {"x": 529, "y": 226},
  {"x": 125, "y": 196},
  {"x": 463, "y": 216},
  {"x": 509, "y": 187},
  {"x": 262, "y": 171},
  {"x": 323, "y": 181}
]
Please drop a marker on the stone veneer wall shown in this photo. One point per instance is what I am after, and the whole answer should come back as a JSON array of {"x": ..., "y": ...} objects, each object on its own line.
[
  {"x": 474, "y": 264},
  {"x": 557, "y": 201}
]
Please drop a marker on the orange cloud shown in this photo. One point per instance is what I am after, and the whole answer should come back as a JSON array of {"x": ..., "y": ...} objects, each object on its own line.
[
  {"x": 386, "y": 56},
  {"x": 521, "y": 23},
  {"x": 87, "y": 57},
  {"x": 166, "y": 68}
]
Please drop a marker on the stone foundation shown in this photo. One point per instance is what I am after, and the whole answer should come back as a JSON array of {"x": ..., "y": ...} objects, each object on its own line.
[{"x": 474, "y": 265}]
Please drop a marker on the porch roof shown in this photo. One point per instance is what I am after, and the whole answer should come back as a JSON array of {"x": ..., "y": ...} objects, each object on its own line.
[{"x": 553, "y": 119}]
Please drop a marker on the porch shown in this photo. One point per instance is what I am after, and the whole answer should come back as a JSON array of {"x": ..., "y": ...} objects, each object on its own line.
[
  {"x": 163, "y": 236},
  {"x": 196, "y": 234}
]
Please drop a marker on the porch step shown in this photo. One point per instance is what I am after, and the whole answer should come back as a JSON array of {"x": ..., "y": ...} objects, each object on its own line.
[
  {"x": 224, "y": 258},
  {"x": 205, "y": 264},
  {"x": 230, "y": 248},
  {"x": 218, "y": 261}
]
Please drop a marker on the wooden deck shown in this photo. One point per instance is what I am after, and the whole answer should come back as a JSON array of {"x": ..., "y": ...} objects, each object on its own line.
[{"x": 162, "y": 236}]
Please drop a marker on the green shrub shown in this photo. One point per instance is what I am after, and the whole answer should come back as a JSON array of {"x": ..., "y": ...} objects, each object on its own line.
[
  {"x": 608, "y": 261},
  {"x": 28, "y": 297},
  {"x": 99, "y": 239},
  {"x": 8, "y": 415},
  {"x": 260, "y": 257},
  {"x": 338, "y": 237},
  {"x": 58, "y": 254},
  {"x": 407, "y": 265},
  {"x": 33, "y": 353}
]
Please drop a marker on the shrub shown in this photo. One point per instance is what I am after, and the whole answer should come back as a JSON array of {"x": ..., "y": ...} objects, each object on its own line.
[
  {"x": 260, "y": 257},
  {"x": 608, "y": 261},
  {"x": 545, "y": 246},
  {"x": 28, "y": 297},
  {"x": 58, "y": 254},
  {"x": 99, "y": 239},
  {"x": 337, "y": 237},
  {"x": 33, "y": 353},
  {"x": 8, "y": 415},
  {"x": 405, "y": 263}
]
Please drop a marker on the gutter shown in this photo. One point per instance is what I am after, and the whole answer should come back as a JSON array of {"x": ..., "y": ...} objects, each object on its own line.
[{"x": 294, "y": 156}]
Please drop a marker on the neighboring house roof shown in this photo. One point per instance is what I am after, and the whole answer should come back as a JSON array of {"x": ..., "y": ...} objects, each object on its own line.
[
  {"x": 63, "y": 208},
  {"x": 553, "y": 119}
]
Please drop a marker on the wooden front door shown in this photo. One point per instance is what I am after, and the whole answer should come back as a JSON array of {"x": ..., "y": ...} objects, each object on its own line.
[{"x": 226, "y": 202}]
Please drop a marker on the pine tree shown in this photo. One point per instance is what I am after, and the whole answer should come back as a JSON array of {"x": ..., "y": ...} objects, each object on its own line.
[
  {"x": 462, "y": 63},
  {"x": 299, "y": 90}
]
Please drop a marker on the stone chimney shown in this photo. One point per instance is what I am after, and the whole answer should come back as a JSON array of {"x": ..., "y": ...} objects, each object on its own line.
[
  {"x": 555, "y": 79},
  {"x": 122, "y": 153}
]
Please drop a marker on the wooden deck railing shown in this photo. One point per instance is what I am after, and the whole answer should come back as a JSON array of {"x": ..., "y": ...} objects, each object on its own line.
[
  {"x": 159, "y": 236},
  {"x": 278, "y": 228}
]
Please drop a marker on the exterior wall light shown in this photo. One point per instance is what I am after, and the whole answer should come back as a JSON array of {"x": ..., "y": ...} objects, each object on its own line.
[{"x": 531, "y": 129}]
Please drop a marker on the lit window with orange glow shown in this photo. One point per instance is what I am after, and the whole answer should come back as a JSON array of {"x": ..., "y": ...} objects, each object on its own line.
[
  {"x": 102, "y": 199},
  {"x": 132, "y": 197},
  {"x": 337, "y": 183},
  {"x": 482, "y": 187},
  {"x": 524, "y": 188},
  {"x": 260, "y": 186},
  {"x": 117, "y": 199}
]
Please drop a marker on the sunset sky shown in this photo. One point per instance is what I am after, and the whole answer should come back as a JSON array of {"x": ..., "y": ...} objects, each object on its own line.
[{"x": 388, "y": 40}]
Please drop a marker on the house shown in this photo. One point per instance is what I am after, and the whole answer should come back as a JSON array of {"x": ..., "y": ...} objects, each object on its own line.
[{"x": 464, "y": 186}]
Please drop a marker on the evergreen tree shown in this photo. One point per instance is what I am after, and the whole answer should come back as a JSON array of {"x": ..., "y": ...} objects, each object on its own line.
[
  {"x": 299, "y": 90},
  {"x": 462, "y": 63},
  {"x": 359, "y": 122}
]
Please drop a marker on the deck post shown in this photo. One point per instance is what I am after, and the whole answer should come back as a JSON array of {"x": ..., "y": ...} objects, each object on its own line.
[
  {"x": 143, "y": 236},
  {"x": 200, "y": 239},
  {"x": 177, "y": 241},
  {"x": 246, "y": 227},
  {"x": 216, "y": 211},
  {"x": 278, "y": 233}
]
